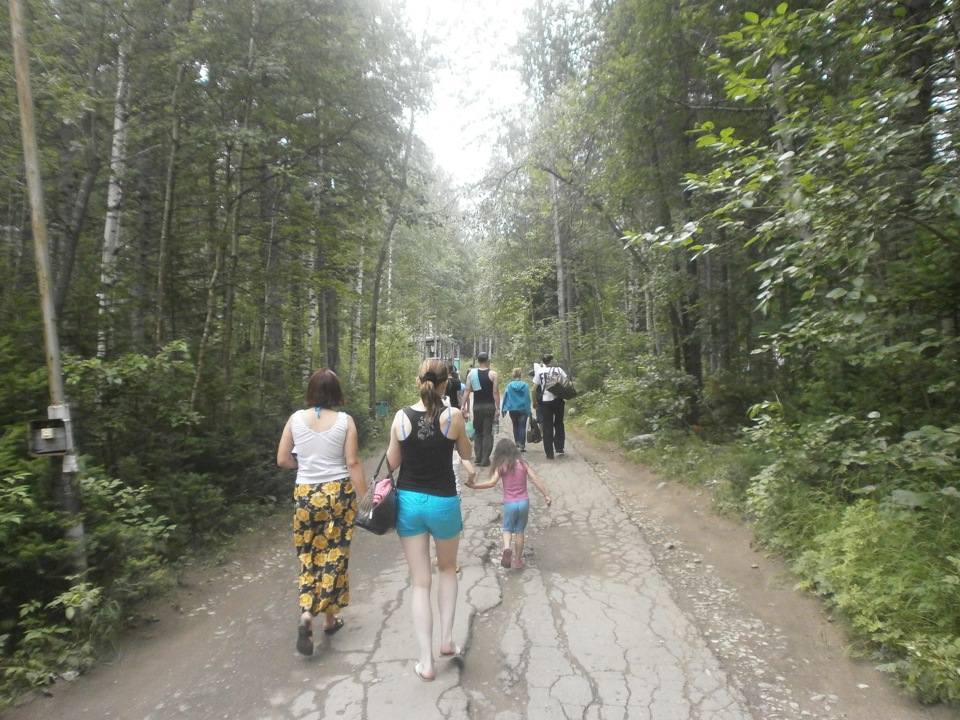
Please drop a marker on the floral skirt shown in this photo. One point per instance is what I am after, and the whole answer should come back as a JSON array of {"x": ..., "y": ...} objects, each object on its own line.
[{"x": 322, "y": 530}]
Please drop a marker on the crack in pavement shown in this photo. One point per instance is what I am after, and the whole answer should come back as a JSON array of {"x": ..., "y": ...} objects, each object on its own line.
[{"x": 610, "y": 619}]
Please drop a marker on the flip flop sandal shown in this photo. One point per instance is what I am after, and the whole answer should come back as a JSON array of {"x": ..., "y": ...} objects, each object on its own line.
[
  {"x": 507, "y": 557},
  {"x": 456, "y": 652},
  {"x": 304, "y": 638},
  {"x": 337, "y": 624},
  {"x": 420, "y": 674}
]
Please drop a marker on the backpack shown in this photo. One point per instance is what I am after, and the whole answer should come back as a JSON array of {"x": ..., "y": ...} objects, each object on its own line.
[{"x": 559, "y": 385}]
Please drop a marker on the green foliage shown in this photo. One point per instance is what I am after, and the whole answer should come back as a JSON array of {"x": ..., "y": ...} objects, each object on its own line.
[
  {"x": 47, "y": 625},
  {"x": 32, "y": 565},
  {"x": 892, "y": 574},
  {"x": 283, "y": 149},
  {"x": 397, "y": 365},
  {"x": 873, "y": 524},
  {"x": 126, "y": 539},
  {"x": 57, "y": 637},
  {"x": 134, "y": 412},
  {"x": 23, "y": 393}
]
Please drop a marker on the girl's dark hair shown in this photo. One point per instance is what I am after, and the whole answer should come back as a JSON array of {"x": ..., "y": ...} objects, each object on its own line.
[
  {"x": 323, "y": 390},
  {"x": 433, "y": 384},
  {"x": 505, "y": 455}
]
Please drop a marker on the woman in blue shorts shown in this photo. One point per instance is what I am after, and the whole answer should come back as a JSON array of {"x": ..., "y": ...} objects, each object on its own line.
[{"x": 422, "y": 440}]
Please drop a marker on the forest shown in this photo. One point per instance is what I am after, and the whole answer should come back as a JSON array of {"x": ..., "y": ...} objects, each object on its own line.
[{"x": 737, "y": 225}]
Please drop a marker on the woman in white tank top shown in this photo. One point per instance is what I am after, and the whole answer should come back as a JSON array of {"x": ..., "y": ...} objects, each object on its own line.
[{"x": 321, "y": 444}]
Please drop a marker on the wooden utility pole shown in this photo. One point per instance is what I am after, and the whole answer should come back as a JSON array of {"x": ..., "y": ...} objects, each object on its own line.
[{"x": 65, "y": 487}]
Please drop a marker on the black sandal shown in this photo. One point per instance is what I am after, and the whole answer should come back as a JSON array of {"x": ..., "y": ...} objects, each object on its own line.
[
  {"x": 304, "y": 638},
  {"x": 337, "y": 624}
]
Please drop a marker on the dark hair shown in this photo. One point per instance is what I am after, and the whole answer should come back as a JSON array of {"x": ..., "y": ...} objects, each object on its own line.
[
  {"x": 547, "y": 358},
  {"x": 482, "y": 357},
  {"x": 323, "y": 390},
  {"x": 433, "y": 383}
]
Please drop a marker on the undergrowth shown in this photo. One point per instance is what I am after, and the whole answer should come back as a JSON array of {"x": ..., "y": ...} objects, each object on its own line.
[{"x": 868, "y": 522}]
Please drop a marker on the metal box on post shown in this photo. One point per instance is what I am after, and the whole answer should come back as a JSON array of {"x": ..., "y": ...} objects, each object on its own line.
[{"x": 48, "y": 437}]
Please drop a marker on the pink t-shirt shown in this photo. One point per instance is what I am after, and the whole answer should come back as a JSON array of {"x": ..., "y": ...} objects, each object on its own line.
[{"x": 515, "y": 483}]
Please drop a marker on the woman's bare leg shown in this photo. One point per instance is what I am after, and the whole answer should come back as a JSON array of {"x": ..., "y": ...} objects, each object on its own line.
[
  {"x": 416, "y": 549},
  {"x": 447, "y": 589}
]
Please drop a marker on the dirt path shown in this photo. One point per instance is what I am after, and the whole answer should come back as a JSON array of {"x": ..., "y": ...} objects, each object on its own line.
[
  {"x": 779, "y": 643},
  {"x": 625, "y": 571}
]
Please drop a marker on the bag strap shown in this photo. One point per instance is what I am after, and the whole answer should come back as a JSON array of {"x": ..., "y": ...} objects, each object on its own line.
[{"x": 380, "y": 465}]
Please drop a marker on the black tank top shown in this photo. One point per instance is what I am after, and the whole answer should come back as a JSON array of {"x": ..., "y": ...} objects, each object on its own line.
[
  {"x": 426, "y": 457},
  {"x": 453, "y": 392},
  {"x": 484, "y": 396}
]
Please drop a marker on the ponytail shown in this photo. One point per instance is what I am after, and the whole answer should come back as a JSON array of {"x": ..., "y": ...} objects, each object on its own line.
[{"x": 433, "y": 375}]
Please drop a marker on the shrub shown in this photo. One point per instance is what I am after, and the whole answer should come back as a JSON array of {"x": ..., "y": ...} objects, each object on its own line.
[
  {"x": 51, "y": 623},
  {"x": 874, "y": 526},
  {"x": 892, "y": 573}
]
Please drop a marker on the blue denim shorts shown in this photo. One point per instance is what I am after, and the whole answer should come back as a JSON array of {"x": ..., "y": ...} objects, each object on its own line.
[
  {"x": 418, "y": 513},
  {"x": 515, "y": 516}
]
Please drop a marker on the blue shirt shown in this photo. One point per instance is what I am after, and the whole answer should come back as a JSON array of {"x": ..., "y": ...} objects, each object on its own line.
[{"x": 516, "y": 397}]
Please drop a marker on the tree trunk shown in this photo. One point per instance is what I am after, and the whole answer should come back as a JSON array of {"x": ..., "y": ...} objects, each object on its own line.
[
  {"x": 230, "y": 268},
  {"x": 561, "y": 277},
  {"x": 271, "y": 338},
  {"x": 163, "y": 249},
  {"x": 68, "y": 251},
  {"x": 355, "y": 328},
  {"x": 111, "y": 226},
  {"x": 212, "y": 285},
  {"x": 313, "y": 305},
  {"x": 382, "y": 261},
  {"x": 332, "y": 308}
]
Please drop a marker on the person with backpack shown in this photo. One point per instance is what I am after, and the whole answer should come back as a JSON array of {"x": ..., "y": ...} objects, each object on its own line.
[{"x": 554, "y": 435}]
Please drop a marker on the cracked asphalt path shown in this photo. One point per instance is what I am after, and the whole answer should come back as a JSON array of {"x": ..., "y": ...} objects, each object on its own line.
[{"x": 619, "y": 613}]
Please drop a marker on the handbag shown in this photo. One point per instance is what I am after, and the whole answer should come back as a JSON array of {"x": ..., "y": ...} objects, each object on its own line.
[
  {"x": 468, "y": 425},
  {"x": 377, "y": 510},
  {"x": 559, "y": 385},
  {"x": 533, "y": 433}
]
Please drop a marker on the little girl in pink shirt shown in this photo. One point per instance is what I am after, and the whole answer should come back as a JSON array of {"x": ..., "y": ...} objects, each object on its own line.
[{"x": 510, "y": 467}]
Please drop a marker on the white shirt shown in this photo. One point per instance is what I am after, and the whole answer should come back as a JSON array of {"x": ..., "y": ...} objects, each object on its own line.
[
  {"x": 320, "y": 455},
  {"x": 540, "y": 373}
]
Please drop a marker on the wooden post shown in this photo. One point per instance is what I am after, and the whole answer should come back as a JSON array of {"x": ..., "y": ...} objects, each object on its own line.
[{"x": 65, "y": 488}]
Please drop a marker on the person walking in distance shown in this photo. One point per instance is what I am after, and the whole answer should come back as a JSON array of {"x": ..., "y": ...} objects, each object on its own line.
[
  {"x": 510, "y": 468},
  {"x": 483, "y": 387},
  {"x": 454, "y": 387},
  {"x": 423, "y": 438},
  {"x": 321, "y": 444},
  {"x": 554, "y": 435},
  {"x": 516, "y": 401}
]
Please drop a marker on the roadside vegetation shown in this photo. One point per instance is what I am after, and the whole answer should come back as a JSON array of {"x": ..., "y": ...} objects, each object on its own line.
[
  {"x": 869, "y": 524},
  {"x": 736, "y": 224}
]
